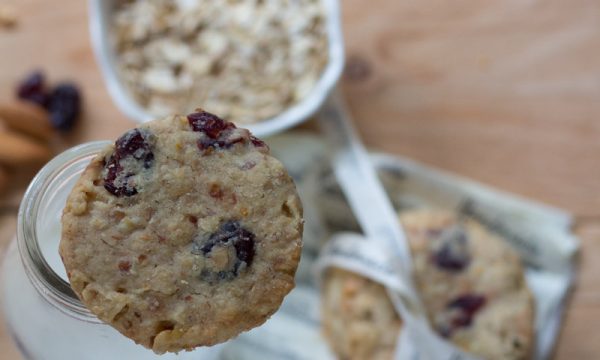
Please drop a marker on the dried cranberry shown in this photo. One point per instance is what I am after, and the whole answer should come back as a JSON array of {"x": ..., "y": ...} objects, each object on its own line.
[
  {"x": 64, "y": 106},
  {"x": 124, "y": 266},
  {"x": 215, "y": 191},
  {"x": 219, "y": 133},
  {"x": 451, "y": 250},
  {"x": 257, "y": 142},
  {"x": 462, "y": 310},
  {"x": 244, "y": 248},
  {"x": 215, "y": 129},
  {"x": 33, "y": 89},
  {"x": 193, "y": 219},
  {"x": 209, "y": 124},
  {"x": 114, "y": 170},
  {"x": 132, "y": 144},
  {"x": 469, "y": 303},
  {"x": 230, "y": 233}
]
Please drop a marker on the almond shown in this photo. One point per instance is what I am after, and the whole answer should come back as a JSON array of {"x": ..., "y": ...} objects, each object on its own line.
[
  {"x": 17, "y": 150},
  {"x": 27, "y": 118}
]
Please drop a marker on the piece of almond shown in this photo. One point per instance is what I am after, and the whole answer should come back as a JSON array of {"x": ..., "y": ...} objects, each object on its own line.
[
  {"x": 17, "y": 150},
  {"x": 26, "y": 118}
]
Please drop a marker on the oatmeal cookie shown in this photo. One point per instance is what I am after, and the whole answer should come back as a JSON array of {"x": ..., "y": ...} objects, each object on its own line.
[
  {"x": 359, "y": 320},
  {"x": 470, "y": 281},
  {"x": 184, "y": 233}
]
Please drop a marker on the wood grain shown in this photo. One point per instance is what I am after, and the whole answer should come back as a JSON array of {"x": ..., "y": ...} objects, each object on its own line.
[
  {"x": 3, "y": 179},
  {"x": 505, "y": 92}
]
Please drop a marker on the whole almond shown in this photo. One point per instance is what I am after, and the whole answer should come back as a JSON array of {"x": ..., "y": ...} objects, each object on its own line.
[
  {"x": 26, "y": 118},
  {"x": 18, "y": 150}
]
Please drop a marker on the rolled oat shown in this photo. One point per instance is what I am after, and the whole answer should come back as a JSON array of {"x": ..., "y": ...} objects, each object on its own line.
[{"x": 247, "y": 60}]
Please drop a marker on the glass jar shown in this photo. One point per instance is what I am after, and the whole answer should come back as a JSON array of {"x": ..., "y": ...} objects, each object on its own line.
[{"x": 43, "y": 314}]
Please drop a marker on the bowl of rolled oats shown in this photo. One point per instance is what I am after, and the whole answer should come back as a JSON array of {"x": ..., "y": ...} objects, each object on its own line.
[{"x": 264, "y": 64}]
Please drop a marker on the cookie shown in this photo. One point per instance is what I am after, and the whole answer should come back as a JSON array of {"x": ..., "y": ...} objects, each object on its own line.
[
  {"x": 471, "y": 284},
  {"x": 359, "y": 321},
  {"x": 184, "y": 233}
]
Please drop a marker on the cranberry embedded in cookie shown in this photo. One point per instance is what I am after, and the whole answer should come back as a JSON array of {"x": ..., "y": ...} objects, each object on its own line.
[
  {"x": 459, "y": 313},
  {"x": 229, "y": 250},
  {"x": 218, "y": 133},
  {"x": 450, "y": 249},
  {"x": 132, "y": 155}
]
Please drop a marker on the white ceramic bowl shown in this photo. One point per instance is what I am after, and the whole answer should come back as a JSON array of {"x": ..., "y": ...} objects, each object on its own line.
[{"x": 100, "y": 10}]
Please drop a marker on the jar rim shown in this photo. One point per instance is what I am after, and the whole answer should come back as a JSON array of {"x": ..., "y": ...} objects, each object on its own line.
[{"x": 51, "y": 286}]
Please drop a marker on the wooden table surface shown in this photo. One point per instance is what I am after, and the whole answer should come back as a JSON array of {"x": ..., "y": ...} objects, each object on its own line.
[{"x": 505, "y": 92}]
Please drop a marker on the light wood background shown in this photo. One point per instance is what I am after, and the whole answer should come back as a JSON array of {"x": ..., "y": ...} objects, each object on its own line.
[{"x": 505, "y": 92}]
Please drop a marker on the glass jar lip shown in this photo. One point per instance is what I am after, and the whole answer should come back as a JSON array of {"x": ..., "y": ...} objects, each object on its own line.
[{"x": 47, "y": 282}]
